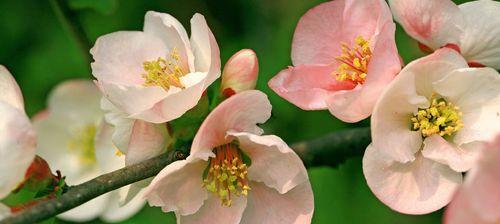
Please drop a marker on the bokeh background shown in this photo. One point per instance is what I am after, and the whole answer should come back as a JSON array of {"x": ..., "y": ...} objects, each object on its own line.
[{"x": 40, "y": 52}]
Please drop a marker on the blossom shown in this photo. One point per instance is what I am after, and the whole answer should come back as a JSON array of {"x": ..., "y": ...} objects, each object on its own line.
[
  {"x": 73, "y": 139},
  {"x": 233, "y": 173},
  {"x": 472, "y": 28},
  {"x": 157, "y": 74},
  {"x": 344, "y": 54},
  {"x": 478, "y": 200},
  {"x": 240, "y": 73},
  {"x": 426, "y": 128},
  {"x": 17, "y": 137}
]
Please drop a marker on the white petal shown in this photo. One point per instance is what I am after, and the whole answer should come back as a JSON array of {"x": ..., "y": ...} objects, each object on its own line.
[
  {"x": 173, "y": 35},
  {"x": 88, "y": 211},
  {"x": 213, "y": 212},
  {"x": 205, "y": 49},
  {"x": 267, "y": 206},
  {"x": 418, "y": 187},
  {"x": 481, "y": 40},
  {"x": 178, "y": 187},
  {"x": 273, "y": 162},
  {"x": 9, "y": 90},
  {"x": 105, "y": 151},
  {"x": 459, "y": 159},
  {"x": 17, "y": 147},
  {"x": 4, "y": 211},
  {"x": 114, "y": 212}
]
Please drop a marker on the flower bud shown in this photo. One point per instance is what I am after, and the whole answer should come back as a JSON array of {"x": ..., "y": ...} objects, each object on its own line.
[{"x": 240, "y": 73}]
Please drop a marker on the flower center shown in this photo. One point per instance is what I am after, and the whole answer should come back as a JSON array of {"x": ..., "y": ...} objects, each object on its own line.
[
  {"x": 227, "y": 174},
  {"x": 164, "y": 73},
  {"x": 83, "y": 144},
  {"x": 441, "y": 118},
  {"x": 354, "y": 61}
]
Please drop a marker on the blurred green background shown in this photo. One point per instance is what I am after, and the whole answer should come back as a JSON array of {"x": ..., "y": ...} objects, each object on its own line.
[{"x": 40, "y": 53}]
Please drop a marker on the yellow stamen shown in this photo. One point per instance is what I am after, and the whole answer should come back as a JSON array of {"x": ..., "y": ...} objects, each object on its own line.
[
  {"x": 227, "y": 174},
  {"x": 441, "y": 118},
  {"x": 164, "y": 73},
  {"x": 354, "y": 61},
  {"x": 83, "y": 144}
]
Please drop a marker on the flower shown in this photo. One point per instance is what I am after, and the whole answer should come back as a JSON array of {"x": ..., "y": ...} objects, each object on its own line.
[
  {"x": 73, "y": 139},
  {"x": 240, "y": 73},
  {"x": 425, "y": 130},
  {"x": 233, "y": 173},
  {"x": 478, "y": 200},
  {"x": 472, "y": 28},
  {"x": 158, "y": 74},
  {"x": 17, "y": 137},
  {"x": 344, "y": 54}
]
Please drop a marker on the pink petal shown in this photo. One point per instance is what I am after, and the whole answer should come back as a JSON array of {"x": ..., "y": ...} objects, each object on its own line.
[
  {"x": 357, "y": 104},
  {"x": 273, "y": 162},
  {"x": 459, "y": 159},
  {"x": 212, "y": 212},
  {"x": 17, "y": 147},
  {"x": 266, "y": 205},
  {"x": 241, "y": 112},
  {"x": 9, "y": 90},
  {"x": 179, "y": 187},
  {"x": 433, "y": 23},
  {"x": 147, "y": 140},
  {"x": 418, "y": 187},
  {"x": 307, "y": 86},
  {"x": 205, "y": 49}
]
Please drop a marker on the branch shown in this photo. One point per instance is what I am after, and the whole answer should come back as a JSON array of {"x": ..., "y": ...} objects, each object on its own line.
[{"x": 331, "y": 150}]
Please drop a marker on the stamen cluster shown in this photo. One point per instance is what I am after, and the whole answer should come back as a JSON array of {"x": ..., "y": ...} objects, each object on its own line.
[
  {"x": 83, "y": 143},
  {"x": 227, "y": 174},
  {"x": 441, "y": 118},
  {"x": 164, "y": 73},
  {"x": 354, "y": 61}
]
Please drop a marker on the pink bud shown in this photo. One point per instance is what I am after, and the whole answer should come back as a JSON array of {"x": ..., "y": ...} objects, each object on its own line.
[{"x": 240, "y": 73}]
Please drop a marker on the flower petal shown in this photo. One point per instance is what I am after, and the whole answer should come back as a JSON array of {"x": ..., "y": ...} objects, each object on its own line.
[
  {"x": 241, "y": 112},
  {"x": 307, "y": 86},
  {"x": 213, "y": 212},
  {"x": 9, "y": 90},
  {"x": 17, "y": 147},
  {"x": 273, "y": 162},
  {"x": 433, "y": 23},
  {"x": 266, "y": 205},
  {"x": 87, "y": 211},
  {"x": 4, "y": 211},
  {"x": 172, "y": 33},
  {"x": 357, "y": 104},
  {"x": 205, "y": 49},
  {"x": 459, "y": 159},
  {"x": 116, "y": 213},
  {"x": 476, "y": 91},
  {"x": 178, "y": 187},
  {"x": 418, "y": 187},
  {"x": 481, "y": 40}
]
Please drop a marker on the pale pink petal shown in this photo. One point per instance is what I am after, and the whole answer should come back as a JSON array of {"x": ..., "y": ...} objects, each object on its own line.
[
  {"x": 365, "y": 18},
  {"x": 476, "y": 91},
  {"x": 267, "y": 206},
  {"x": 357, "y": 104},
  {"x": 105, "y": 151},
  {"x": 213, "y": 212},
  {"x": 273, "y": 162},
  {"x": 418, "y": 187},
  {"x": 87, "y": 211},
  {"x": 481, "y": 40},
  {"x": 307, "y": 86},
  {"x": 433, "y": 23},
  {"x": 147, "y": 140},
  {"x": 179, "y": 187},
  {"x": 4, "y": 211},
  {"x": 240, "y": 72},
  {"x": 241, "y": 112},
  {"x": 17, "y": 147},
  {"x": 172, "y": 33},
  {"x": 114, "y": 212},
  {"x": 9, "y": 90},
  {"x": 459, "y": 158},
  {"x": 205, "y": 49}
]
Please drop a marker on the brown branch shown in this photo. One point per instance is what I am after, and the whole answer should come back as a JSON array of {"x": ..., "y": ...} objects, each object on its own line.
[{"x": 328, "y": 150}]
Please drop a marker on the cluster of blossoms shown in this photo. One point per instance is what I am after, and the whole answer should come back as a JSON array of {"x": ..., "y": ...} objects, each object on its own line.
[{"x": 431, "y": 120}]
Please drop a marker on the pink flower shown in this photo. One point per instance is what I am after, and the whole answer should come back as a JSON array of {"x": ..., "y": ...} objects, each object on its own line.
[
  {"x": 158, "y": 74},
  {"x": 344, "y": 54},
  {"x": 478, "y": 200},
  {"x": 426, "y": 127},
  {"x": 472, "y": 28},
  {"x": 234, "y": 174},
  {"x": 240, "y": 73}
]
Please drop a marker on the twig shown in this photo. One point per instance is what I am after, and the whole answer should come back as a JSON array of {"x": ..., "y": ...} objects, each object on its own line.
[{"x": 331, "y": 150}]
